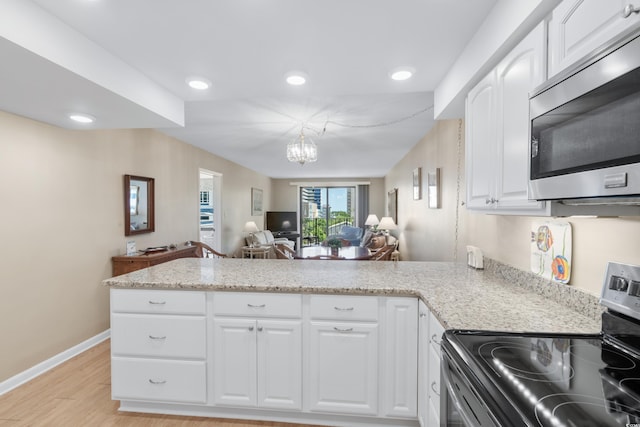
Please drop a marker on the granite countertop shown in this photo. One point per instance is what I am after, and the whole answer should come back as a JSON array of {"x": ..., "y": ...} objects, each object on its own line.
[{"x": 460, "y": 297}]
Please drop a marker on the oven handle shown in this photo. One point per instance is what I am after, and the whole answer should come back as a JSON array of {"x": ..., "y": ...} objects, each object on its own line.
[{"x": 450, "y": 391}]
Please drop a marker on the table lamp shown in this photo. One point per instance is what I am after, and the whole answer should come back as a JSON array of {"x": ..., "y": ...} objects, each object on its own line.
[
  {"x": 386, "y": 224},
  {"x": 372, "y": 221},
  {"x": 250, "y": 227}
]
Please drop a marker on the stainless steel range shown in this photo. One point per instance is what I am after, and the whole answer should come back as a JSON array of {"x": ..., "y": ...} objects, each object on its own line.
[{"x": 545, "y": 379}]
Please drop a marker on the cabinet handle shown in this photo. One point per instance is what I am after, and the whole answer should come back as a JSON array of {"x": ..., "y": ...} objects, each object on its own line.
[
  {"x": 487, "y": 201},
  {"x": 423, "y": 314},
  {"x": 629, "y": 9},
  {"x": 157, "y": 302},
  {"x": 434, "y": 389},
  {"x": 343, "y": 330},
  {"x": 343, "y": 309},
  {"x": 251, "y": 328},
  {"x": 257, "y": 306},
  {"x": 434, "y": 338},
  {"x": 259, "y": 328},
  {"x": 157, "y": 382},
  {"x": 158, "y": 338}
]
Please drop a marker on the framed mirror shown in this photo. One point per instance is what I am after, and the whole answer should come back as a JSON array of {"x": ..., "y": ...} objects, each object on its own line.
[{"x": 138, "y": 205}]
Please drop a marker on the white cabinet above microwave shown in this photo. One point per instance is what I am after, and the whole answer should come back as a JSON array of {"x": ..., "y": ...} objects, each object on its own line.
[{"x": 578, "y": 27}]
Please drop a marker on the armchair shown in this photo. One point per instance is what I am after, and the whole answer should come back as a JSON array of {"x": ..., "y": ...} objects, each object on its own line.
[{"x": 265, "y": 238}]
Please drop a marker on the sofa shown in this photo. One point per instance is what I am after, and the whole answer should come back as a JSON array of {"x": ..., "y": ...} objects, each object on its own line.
[
  {"x": 349, "y": 233},
  {"x": 265, "y": 238}
]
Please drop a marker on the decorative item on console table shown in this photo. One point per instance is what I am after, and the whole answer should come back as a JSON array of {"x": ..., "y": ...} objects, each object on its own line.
[
  {"x": 335, "y": 244},
  {"x": 123, "y": 264}
]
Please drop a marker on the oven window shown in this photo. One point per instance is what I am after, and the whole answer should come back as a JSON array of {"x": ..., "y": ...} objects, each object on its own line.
[{"x": 597, "y": 130}]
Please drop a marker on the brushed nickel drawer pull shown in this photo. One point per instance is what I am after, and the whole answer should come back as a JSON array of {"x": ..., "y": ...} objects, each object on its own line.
[
  {"x": 158, "y": 338},
  {"x": 434, "y": 338},
  {"x": 157, "y": 302},
  {"x": 433, "y": 388},
  {"x": 343, "y": 330},
  {"x": 157, "y": 382},
  {"x": 343, "y": 309},
  {"x": 257, "y": 306}
]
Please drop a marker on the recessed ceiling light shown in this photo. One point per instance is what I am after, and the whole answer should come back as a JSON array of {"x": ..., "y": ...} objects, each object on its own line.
[
  {"x": 82, "y": 118},
  {"x": 296, "y": 78},
  {"x": 199, "y": 83},
  {"x": 403, "y": 73}
]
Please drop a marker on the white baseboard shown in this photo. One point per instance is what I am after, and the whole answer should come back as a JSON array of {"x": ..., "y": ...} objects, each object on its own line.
[{"x": 42, "y": 367}]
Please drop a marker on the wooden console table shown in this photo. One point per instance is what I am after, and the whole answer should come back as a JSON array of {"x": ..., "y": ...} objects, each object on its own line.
[{"x": 123, "y": 264}]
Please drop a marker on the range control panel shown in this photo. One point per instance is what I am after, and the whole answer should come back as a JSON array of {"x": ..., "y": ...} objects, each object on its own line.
[{"x": 621, "y": 289}]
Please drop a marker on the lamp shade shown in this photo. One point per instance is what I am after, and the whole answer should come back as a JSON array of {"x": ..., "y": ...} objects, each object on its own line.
[
  {"x": 387, "y": 223},
  {"x": 372, "y": 220},
  {"x": 250, "y": 227}
]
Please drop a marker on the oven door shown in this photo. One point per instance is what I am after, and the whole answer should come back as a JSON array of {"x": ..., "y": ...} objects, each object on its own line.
[{"x": 460, "y": 402}]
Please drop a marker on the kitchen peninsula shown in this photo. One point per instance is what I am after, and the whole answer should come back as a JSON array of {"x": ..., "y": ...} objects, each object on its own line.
[{"x": 318, "y": 342}]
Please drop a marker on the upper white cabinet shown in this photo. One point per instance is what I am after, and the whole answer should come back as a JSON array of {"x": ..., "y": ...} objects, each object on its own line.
[
  {"x": 578, "y": 27},
  {"x": 497, "y": 115}
]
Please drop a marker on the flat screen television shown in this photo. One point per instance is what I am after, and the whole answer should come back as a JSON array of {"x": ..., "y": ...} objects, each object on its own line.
[{"x": 281, "y": 222}]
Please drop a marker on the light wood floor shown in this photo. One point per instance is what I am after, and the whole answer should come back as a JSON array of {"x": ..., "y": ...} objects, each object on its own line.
[{"x": 78, "y": 393}]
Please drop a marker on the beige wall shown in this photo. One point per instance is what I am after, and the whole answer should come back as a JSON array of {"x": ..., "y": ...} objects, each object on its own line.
[
  {"x": 62, "y": 221},
  {"x": 428, "y": 234}
]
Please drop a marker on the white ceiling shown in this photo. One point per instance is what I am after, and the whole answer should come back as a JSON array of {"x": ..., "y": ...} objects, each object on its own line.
[{"x": 125, "y": 62}]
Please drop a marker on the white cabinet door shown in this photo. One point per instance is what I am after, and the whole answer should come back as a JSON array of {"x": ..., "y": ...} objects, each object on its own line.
[
  {"x": 279, "y": 364},
  {"x": 435, "y": 338},
  {"x": 578, "y": 27},
  {"x": 343, "y": 367},
  {"x": 234, "y": 362},
  {"x": 497, "y": 138},
  {"x": 401, "y": 358},
  {"x": 257, "y": 363},
  {"x": 517, "y": 75},
  {"x": 480, "y": 143},
  {"x": 423, "y": 364}
]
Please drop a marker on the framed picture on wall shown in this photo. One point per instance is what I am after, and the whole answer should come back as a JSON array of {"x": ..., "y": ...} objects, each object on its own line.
[
  {"x": 417, "y": 184},
  {"x": 392, "y": 204},
  {"x": 256, "y": 201},
  {"x": 433, "y": 188}
]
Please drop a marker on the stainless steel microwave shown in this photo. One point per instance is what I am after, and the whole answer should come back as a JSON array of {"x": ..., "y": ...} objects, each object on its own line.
[{"x": 585, "y": 130}]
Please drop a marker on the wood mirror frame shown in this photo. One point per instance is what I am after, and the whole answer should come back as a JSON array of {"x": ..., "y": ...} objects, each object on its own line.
[{"x": 139, "y": 215}]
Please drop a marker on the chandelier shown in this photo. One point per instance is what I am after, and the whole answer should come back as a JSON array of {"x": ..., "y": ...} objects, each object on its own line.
[{"x": 302, "y": 150}]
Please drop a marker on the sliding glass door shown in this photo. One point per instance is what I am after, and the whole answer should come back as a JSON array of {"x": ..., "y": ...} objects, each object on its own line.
[{"x": 324, "y": 211}]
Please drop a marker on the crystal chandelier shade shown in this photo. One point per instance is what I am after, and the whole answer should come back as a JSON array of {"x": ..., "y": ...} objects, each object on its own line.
[{"x": 302, "y": 150}]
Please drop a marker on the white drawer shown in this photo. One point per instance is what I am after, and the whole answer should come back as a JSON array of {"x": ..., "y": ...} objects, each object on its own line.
[
  {"x": 341, "y": 307},
  {"x": 257, "y": 304},
  {"x": 157, "y": 301},
  {"x": 158, "y": 336},
  {"x": 149, "y": 379},
  {"x": 435, "y": 333}
]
